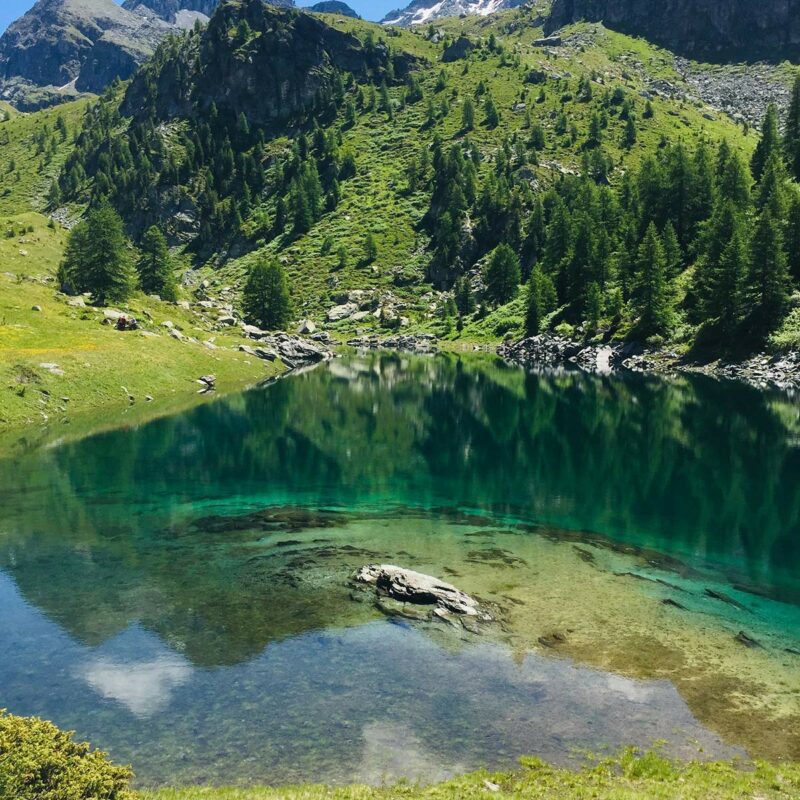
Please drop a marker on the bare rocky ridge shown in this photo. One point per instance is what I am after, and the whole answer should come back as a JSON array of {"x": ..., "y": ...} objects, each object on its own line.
[{"x": 711, "y": 30}]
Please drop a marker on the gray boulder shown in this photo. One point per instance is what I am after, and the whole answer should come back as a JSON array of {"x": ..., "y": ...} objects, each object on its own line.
[{"x": 409, "y": 586}]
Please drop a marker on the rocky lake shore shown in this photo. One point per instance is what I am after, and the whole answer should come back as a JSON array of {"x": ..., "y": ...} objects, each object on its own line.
[{"x": 763, "y": 370}]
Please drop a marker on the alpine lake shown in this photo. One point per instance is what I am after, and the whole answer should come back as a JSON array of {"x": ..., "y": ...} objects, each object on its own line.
[{"x": 181, "y": 593}]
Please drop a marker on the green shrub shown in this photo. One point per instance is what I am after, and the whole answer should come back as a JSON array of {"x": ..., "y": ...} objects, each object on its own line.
[{"x": 40, "y": 762}]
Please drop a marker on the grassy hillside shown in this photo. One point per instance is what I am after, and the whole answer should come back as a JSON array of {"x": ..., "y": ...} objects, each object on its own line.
[
  {"x": 377, "y": 200},
  {"x": 559, "y": 90},
  {"x": 94, "y": 376}
]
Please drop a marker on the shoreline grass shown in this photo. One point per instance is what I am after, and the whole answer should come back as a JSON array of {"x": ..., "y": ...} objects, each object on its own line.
[{"x": 629, "y": 776}]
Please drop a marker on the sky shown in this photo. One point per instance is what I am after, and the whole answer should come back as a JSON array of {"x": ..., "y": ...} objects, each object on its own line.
[{"x": 369, "y": 9}]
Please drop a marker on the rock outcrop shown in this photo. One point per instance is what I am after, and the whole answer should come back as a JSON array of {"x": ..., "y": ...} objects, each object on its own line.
[
  {"x": 712, "y": 30},
  {"x": 294, "y": 351},
  {"x": 169, "y": 10},
  {"x": 292, "y": 58},
  {"x": 408, "y": 586}
]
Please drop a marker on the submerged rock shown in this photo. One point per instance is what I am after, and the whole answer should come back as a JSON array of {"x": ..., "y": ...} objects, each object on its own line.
[{"x": 409, "y": 586}]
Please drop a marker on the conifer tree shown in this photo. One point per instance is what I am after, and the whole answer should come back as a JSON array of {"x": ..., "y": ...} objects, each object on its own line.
[
  {"x": 541, "y": 300},
  {"x": 370, "y": 249},
  {"x": 791, "y": 135},
  {"x": 492, "y": 117},
  {"x": 464, "y": 299},
  {"x": 729, "y": 275},
  {"x": 672, "y": 251},
  {"x": 155, "y": 266},
  {"x": 793, "y": 233},
  {"x": 772, "y": 191},
  {"x": 594, "y": 305},
  {"x": 652, "y": 300},
  {"x": 734, "y": 177},
  {"x": 468, "y": 115},
  {"x": 502, "y": 275},
  {"x": 727, "y": 268},
  {"x": 770, "y": 274},
  {"x": 768, "y": 144},
  {"x": 266, "y": 301},
  {"x": 629, "y": 137},
  {"x": 558, "y": 240},
  {"x": 97, "y": 258}
]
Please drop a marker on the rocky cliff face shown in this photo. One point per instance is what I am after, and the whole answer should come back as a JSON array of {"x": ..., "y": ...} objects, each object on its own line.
[
  {"x": 169, "y": 9},
  {"x": 280, "y": 71},
  {"x": 63, "y": 46},
  {"x": 174, "y": 11},
  {"x": 714, "y": 30}
]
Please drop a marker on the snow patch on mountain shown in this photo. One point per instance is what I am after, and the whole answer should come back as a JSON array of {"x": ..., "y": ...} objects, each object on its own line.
[{"x": 421, "y": 11}]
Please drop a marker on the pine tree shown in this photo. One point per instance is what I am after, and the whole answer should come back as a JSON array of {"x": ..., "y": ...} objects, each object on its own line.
[
  {"x": 672, "y": 251},
  {"x": 266, "y": 301},
  {"x": 502, "y": 275},
  {"x": 281, "y": 215},
  {"x": 770, "y": 274},
  {"x": 155, "y": 266},
  {"x": 768, "y": 144},
  {"x": 468, "y": 115},
  {"x": 558, "y": 240},
  {"x": 341, "y": 257},
  {"x": 594, "y": 305},
  {"x": 772, "y": 191},
  {"x": 386, "y": 102},
  {"x": 734, "y": 177},
  {"x": 629, "y": 137},
  {"x": 370, "y": 249},
  {"x": 791, "y": 135},
  {"x": 97, "y": 257},
  {"x": 465, "y": 301},
  {"x": 492, "y": 117},
  {"x": 541, "y": 300},
  {"x": 652, "y": 301},
  {"x": 793, "y": 233},
  {"x": 729, "y": 279}
]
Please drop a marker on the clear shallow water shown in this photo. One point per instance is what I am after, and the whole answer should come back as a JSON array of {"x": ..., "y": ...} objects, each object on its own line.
[{"x": 179, "y": 593}]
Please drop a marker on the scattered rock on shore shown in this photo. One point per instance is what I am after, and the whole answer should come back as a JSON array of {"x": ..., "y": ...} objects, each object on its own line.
[
  {"x": 413, "y": 343},
  {"x": 781, "y": 371}
]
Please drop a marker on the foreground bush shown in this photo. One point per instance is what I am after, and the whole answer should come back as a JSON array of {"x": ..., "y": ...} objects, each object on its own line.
[{"x": 40, "y": 762}]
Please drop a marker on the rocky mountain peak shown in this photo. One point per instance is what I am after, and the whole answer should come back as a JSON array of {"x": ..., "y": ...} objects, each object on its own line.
[
  {"x": 420, "y": 12},
  {"x": 61, "y": 47}
]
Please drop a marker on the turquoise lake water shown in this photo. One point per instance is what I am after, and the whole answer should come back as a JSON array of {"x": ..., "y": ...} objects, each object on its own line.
[{"x": 179, "y": 593}]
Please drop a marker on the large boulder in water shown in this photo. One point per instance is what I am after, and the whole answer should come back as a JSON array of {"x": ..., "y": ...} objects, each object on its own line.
[{"x": 409, "y": 586}]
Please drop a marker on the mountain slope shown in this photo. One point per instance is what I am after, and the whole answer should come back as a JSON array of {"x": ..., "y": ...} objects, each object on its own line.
[
  {"x": 175, "y": 11},
  {"x": 232, "y": 152},
  {"x": 65, "y": 46},
  {"x": 419, "y": 12},
  {"x": 707, "y": 29}
]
